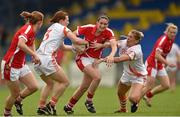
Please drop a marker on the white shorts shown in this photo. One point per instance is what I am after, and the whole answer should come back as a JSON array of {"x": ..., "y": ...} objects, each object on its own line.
[
  {"x": 169, "y": 69},
  {"x": 128, "y": 79},
  {"x": 13, "y": 74},
  {"x": 84, "y": 61},
  {"x": 48, "y": 65},
  {"x": 155, "y": 72}
]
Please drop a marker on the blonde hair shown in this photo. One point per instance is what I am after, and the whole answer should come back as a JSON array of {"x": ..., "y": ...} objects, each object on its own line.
[
  {"x": 137, "y": 34},
  {"x": 170, "y": 25},
  {"x": 32, "y": 17}
]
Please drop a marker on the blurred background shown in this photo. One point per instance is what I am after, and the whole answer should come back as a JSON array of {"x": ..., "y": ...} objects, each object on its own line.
[{"x": 149, "y": 16}]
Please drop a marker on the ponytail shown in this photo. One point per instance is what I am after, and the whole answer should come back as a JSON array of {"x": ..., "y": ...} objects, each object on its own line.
[
  {"x": 33, "y": 17},
  {"x": 26, "y": 15}
]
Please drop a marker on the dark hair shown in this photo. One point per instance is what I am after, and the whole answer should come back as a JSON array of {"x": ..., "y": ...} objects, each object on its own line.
[
  {"x": 58, "y": 16},
  {"x": 103, "y": 17},
  {"x": 32, "y": 17}
]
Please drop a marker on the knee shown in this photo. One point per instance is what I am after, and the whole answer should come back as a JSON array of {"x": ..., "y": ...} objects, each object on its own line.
[
  {"x": 33, "y": 88},
  {"x": 166, "y": 86},
  {"x": 97, "y": 78},
  {"x": 15, "y": 94},
  {"x": 83, "y": 89},
  {"x": 120, "y": 94},
  {"x": 50, "y": 85},
  {"x": 150, "y": 82},
  {"x": 134, "y": 99},
  {"x": 66, "y": 83}
]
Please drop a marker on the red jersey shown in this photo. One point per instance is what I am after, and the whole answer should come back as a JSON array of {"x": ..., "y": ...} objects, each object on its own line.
[
  {"x": 164, "y": 44},
  {"x": 15, "y": 57},
  {"x": 88, "y": 31}
]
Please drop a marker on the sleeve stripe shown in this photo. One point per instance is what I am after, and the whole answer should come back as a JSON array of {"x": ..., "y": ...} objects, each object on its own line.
[
  {"x": 22, "y": 36},
  {"x": 28, "y": 29},
  {"x": 159, "y": 49},
  {"x": 78, "y": 30},
  {"x": 132, "y": 55},
  {"x": 111, "y": 31},
  {"x": 65, "y": 32},
  {"x": 88, "y": 25},
  {"x": 162, "y": 40}
]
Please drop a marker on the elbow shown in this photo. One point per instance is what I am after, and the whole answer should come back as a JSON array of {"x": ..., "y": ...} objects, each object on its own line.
[
  {"x": 20, "y": 45},
  {"x": 156, "y": 55}
]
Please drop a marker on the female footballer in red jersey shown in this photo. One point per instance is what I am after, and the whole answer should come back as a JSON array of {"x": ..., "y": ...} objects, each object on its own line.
[
  {"x": 156, "y": 61},
  {"x": 13, "y": 64},
  {"x": 99, "y": 33}
]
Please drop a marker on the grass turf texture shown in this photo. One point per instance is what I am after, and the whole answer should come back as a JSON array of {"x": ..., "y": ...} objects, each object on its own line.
[{"x": 105, "y": 101}]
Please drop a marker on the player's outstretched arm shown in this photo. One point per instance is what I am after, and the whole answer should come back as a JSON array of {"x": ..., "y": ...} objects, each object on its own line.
[{"x": 123, "y": 57}]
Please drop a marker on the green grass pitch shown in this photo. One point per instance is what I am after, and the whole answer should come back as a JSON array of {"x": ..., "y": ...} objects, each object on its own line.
[{"x": 105, "y": 101}]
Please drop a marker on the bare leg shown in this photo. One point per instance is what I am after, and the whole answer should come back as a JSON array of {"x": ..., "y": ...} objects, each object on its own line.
[
  {"x": 14, "y": 93},
  {"x": 135, "y": 96},
  {"x": 172, "y": 78},
  {"x": 61, "y": 83},
  {"x": 31, "y": 85},
  {"x": 121, "y": 92},
  {"x": 78, "y": 94},
  {"x": 164, "y": 80},
  {"x": 135, "y": 93},
  {"x": 148, "y": 86},
  {"x": 95, "y": 75},
  {"x": 46, "y": 90},
  {"x": 82, "y": 88}
]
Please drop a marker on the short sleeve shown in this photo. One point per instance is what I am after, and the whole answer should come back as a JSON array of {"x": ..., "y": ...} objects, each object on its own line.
[
  {"x": 133, "y": 52},
  {"x": 81, "y": 30},
  {"x": 121, "y": 43},
  {"x": 23, "y": 36},
  {"x": 110, "y": 34},
  {"x": 161, "y": 44},
  {"x": 176, "y": 47},
  {"x": 66, "y": 30},
  {"x": 25, "y": 32}
]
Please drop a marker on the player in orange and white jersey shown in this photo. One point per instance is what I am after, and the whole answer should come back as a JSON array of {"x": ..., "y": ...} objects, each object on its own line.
[
  {"x": 173, "y": 57},
  {"x": 134, "y": 73},
  {"x": 50, "y": 72}
]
